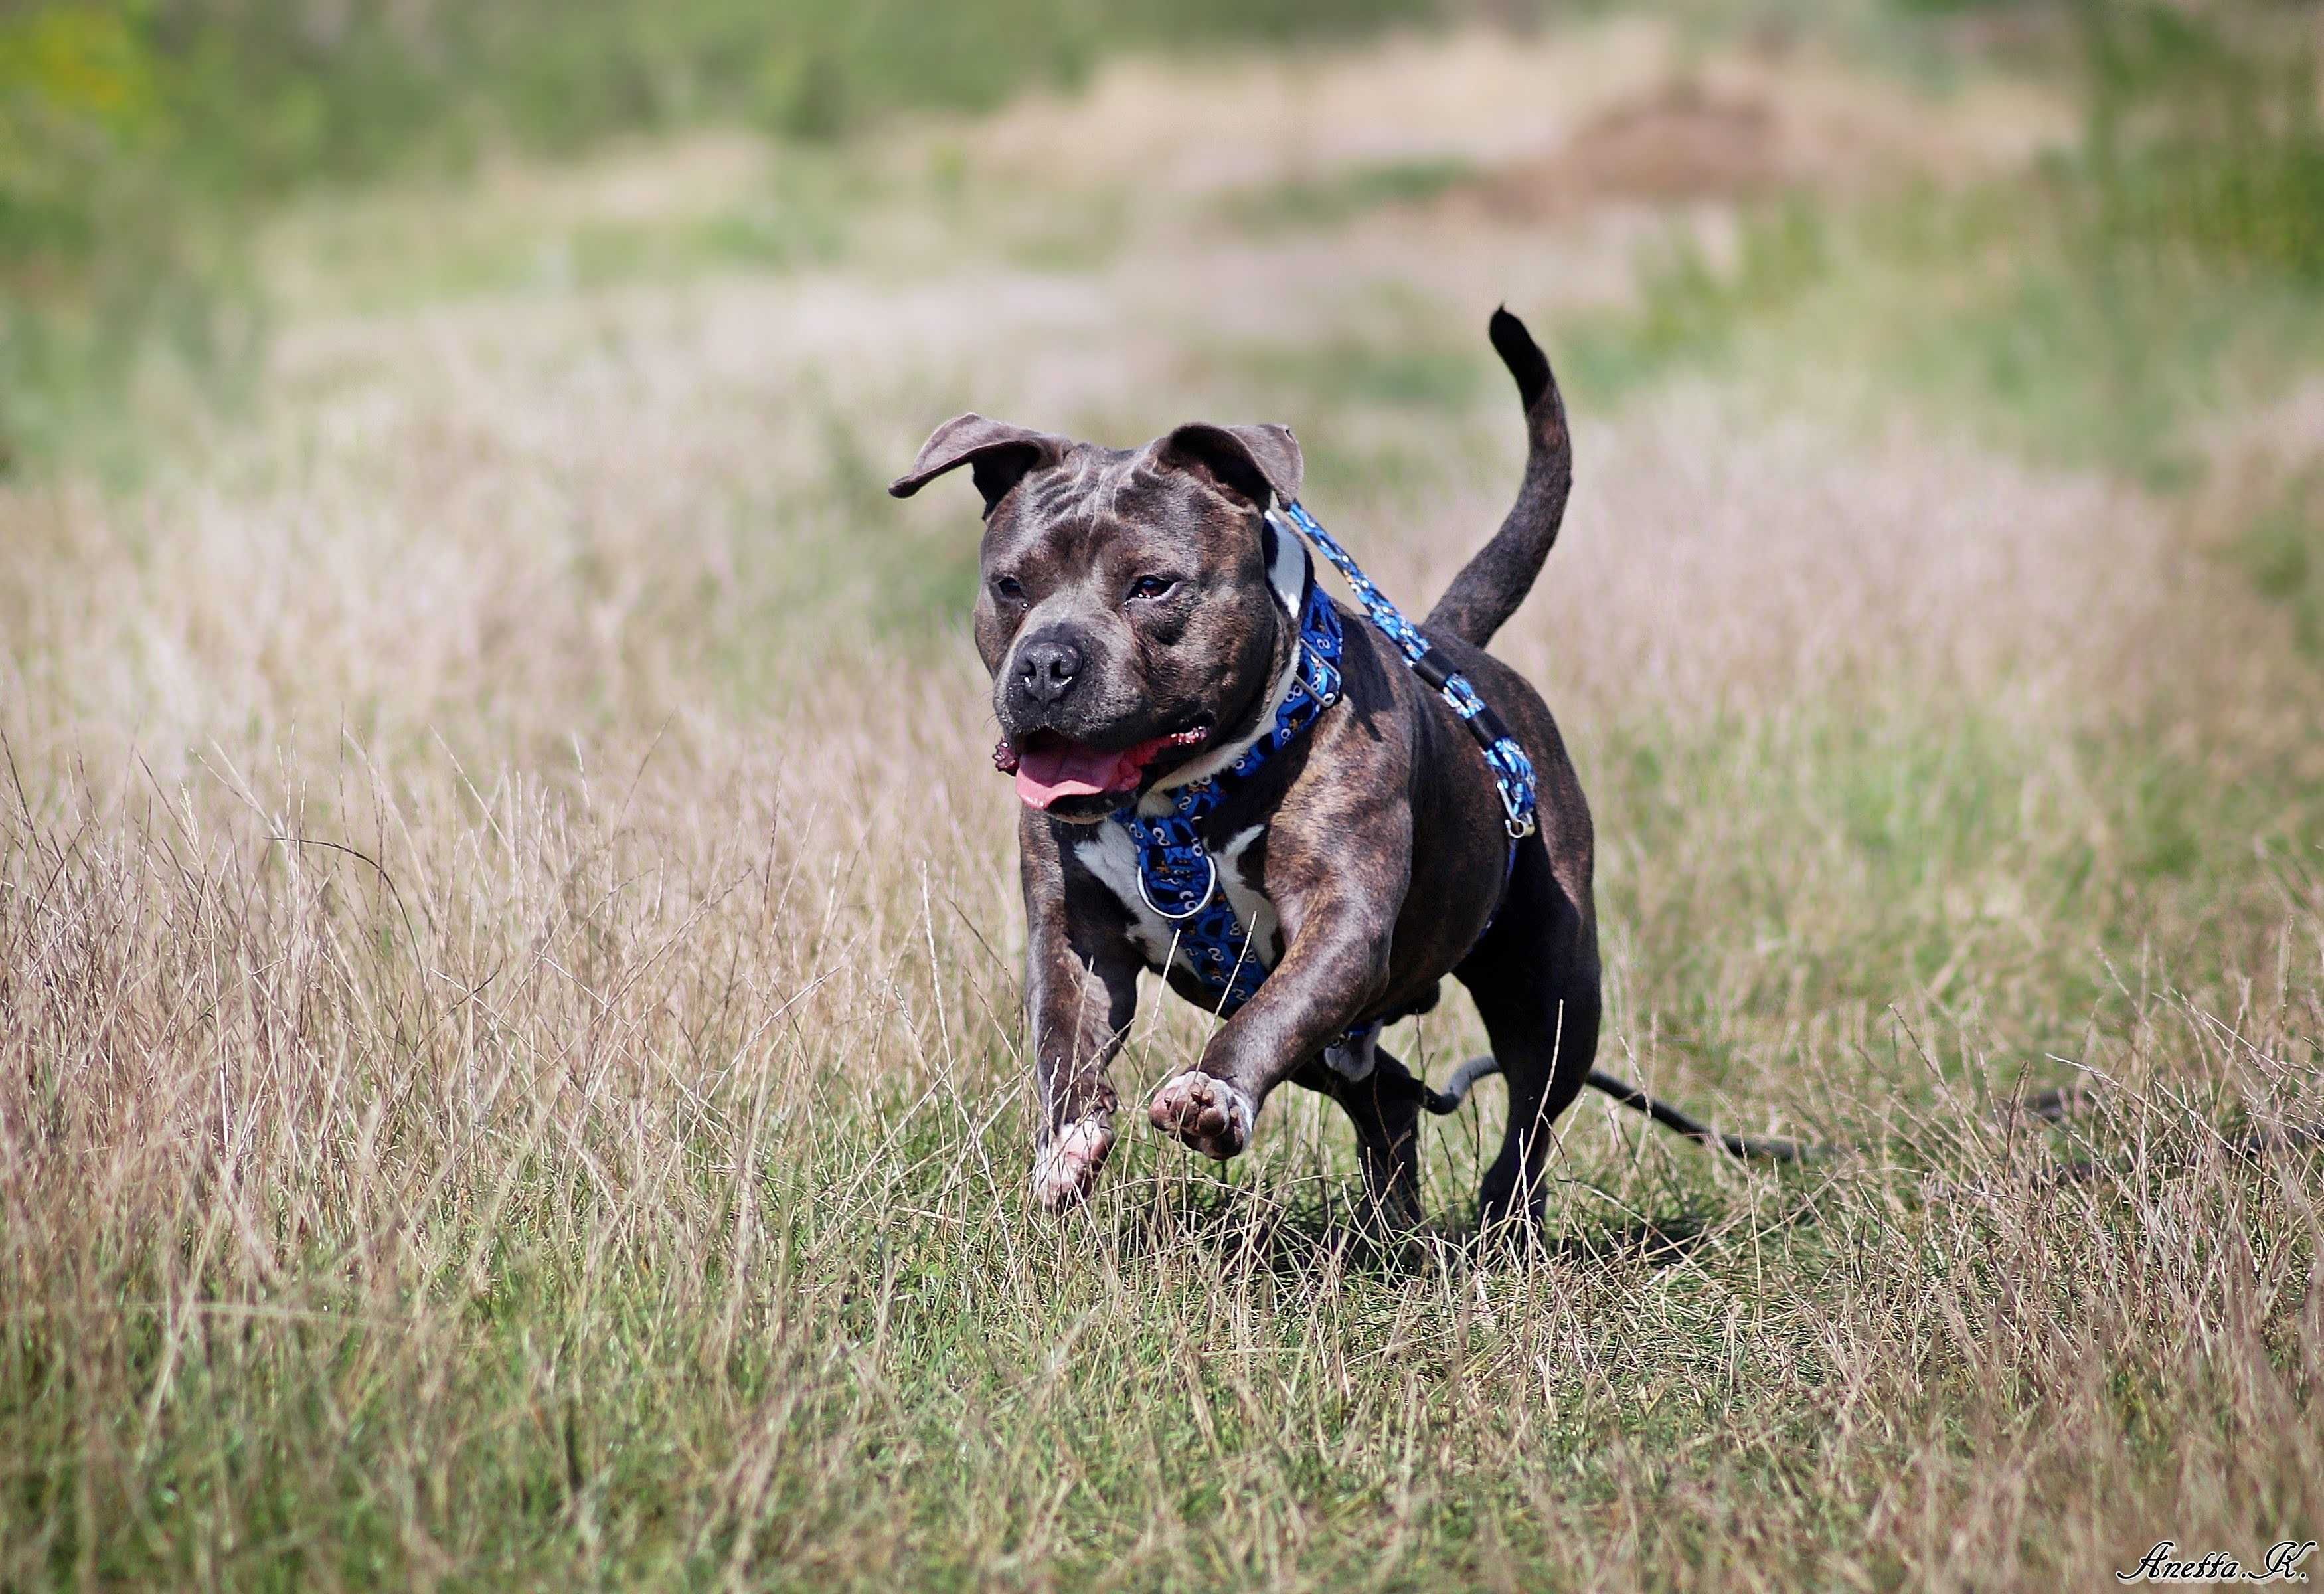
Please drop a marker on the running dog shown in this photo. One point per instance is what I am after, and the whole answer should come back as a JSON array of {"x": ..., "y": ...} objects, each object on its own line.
[{"x": 1154, "y": 632}]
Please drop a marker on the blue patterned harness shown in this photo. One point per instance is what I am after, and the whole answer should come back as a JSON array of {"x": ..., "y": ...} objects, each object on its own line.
[{"x": 1176, "y": 874}]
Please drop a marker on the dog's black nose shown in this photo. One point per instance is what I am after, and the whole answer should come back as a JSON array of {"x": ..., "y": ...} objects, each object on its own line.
[{"x": 1047, "y": 667}]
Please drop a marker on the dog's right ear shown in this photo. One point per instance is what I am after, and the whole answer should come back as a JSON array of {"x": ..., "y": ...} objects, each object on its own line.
[{"x": 998, "y": 455}]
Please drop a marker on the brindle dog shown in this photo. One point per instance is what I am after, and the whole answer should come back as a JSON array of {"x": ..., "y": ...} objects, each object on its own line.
[{"x": 1133, "y": 615}]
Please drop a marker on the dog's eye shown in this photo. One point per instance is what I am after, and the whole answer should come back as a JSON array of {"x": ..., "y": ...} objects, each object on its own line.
[
  {"x": 1006, "y": 588},
  {"x": 1153, "y": 585}
]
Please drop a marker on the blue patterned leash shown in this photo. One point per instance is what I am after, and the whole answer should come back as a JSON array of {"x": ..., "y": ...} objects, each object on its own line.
[
  {"x": 1512, "y": 770},
  {"x": 1178, "y": 875}
]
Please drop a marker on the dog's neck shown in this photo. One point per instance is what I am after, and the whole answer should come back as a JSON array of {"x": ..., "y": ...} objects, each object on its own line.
[{"x": 1289, "y": 569}]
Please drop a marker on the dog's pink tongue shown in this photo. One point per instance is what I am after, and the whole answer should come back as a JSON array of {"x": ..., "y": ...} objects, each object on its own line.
[{"x": 1057, "y": 768}]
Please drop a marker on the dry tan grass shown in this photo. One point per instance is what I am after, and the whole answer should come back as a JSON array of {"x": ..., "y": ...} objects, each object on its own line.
[{"x": 508, "y": 1057}]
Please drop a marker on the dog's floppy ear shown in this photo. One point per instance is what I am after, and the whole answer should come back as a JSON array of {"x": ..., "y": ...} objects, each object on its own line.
[
  {"x": 998, "y": 455},
  {"x": 1255, "y": 463}
]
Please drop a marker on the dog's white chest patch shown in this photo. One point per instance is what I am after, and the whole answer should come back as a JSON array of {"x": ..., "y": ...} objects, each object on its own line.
[{"x": 1112, "y": 857}]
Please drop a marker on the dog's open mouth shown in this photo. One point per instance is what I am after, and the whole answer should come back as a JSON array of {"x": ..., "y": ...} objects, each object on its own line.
[{"x": 1053, "y": 768}]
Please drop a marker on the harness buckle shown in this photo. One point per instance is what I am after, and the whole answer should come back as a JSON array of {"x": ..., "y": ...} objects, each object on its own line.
[
  {"x": 1320, "y": 676},
  {"x": 1209, "y": 890}
]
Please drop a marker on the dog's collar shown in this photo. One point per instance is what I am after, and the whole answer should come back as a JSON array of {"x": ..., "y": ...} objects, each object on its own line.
[
  {"x": 1177, "y": 875},
  {"x": 1290, "y": 568},
  {"x": 1309, "y": 684},
  {"x": 1291, "y": 577}
]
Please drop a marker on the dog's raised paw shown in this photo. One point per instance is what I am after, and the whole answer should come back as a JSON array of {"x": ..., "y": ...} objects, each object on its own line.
[
  {"x": 1066, "y": 1168},
  {"x": 1209, "y": 1115}
]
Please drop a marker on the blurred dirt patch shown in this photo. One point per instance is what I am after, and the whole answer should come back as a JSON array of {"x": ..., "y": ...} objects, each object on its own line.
[
  {"x": 1681, "y": 140},
  {"x": 1745, "y": 129},
  {"x": 1624, "y": 102}
]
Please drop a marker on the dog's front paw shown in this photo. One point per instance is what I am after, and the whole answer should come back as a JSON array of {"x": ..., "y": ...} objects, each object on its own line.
[
  {"x": 1065, "y": 1170},
  {"x": 1209, "y": 1115}
]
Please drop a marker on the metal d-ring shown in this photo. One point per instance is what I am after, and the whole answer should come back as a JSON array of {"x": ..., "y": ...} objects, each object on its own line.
[{"x": 1209, "y": 890}]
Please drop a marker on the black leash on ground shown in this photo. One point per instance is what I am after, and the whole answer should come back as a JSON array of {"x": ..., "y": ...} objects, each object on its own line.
[
  {"x": 2049, "y": 1105},
  {"x": 1749, "y": 1147}
]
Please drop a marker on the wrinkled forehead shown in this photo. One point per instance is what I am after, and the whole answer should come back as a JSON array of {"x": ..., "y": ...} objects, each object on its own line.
[{"x": 1097, "y": 501}]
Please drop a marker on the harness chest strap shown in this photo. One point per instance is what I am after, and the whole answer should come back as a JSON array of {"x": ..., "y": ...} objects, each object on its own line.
[{"x": 1178, "y": 875}]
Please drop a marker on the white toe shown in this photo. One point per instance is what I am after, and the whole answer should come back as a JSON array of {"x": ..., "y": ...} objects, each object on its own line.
[{"x": 1067, "y": 1166}]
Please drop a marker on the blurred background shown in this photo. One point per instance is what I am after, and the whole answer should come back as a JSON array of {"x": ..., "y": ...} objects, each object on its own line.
[{"x": 2117, "y": 203}]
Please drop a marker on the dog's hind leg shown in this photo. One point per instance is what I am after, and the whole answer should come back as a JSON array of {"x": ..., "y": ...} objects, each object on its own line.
[
  {"x": 1384, "y": 1106},
  {"x": 1534, "y": 978}
]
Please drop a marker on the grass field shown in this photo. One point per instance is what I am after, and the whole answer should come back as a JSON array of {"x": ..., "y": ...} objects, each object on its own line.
[{"x": 510, "y": 1066}]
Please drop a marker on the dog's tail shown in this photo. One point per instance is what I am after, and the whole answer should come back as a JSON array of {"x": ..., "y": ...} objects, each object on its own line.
[
  {"x": 1489, "y": 587},
  {"x": 1466, "y": 1076}
]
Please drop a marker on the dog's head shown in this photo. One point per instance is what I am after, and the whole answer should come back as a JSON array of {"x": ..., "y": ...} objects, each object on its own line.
[{"x": 1126, "y": 609}]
